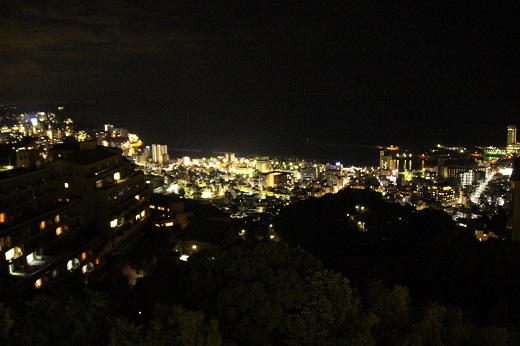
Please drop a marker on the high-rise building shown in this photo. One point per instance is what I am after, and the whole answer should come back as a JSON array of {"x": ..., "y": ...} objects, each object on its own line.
[
  {"x": 38, "y": 230},
  {"x": 230, "y": 157},
  {"x": 109, "y": 189},
  {"x": 512, "y": 145},
  {"x": 147, "y": 152},
  {"x": 68, "y": 216},
  {"x": 511, "y": 134},
  {"x": 159, "y": 153},
  {"x": 441, "y": 168},
  {"x": 108, "y": 128}
]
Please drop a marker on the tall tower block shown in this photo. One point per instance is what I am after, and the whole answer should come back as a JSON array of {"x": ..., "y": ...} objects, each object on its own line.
[{"x": 511, "y": 134}]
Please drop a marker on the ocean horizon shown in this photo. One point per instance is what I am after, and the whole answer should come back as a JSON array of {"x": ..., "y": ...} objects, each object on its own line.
[{"x": 360, "y": 156}]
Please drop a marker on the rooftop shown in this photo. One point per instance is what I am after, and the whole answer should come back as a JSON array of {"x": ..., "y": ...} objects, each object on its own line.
[
  {"x": 210, "y": 230},
  {"x": 90, "y": 156}
]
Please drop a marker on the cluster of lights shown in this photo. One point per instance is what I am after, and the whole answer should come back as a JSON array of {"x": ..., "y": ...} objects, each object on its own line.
[{"x": 475, "y": 195}]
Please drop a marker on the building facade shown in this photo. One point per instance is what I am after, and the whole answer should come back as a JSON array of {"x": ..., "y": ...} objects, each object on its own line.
[
  {"x": 159, "y": 153},
  {"x": 38, "y": 229},
  {"x": 68, "y": 216},
  {"x": 110, "y": 190}
]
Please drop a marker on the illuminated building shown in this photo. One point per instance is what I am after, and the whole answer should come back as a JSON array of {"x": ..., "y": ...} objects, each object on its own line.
[
  {"x": 153, "y": 181},
  {"x": 230, "y": 157},
  {"x": 109, "y": 189},
  {"x": 492, "y": 153},
  {"x": 147, "y": 152},
  {"x": 160, "y": 153},
  {"x": 511, "y": 134},
  {"x": 38, "y": 229},
  {"x": 454, "y": 171},
  {"x": 169, "y": 211},
  {"x": 386, "y": 162},
  {"x": 108, "y": 128},
  {"x": 271, "y": 180},
  {"x": 308, "y": 171},
  {"x": 393, "y": 159},
  {"x": 275, "y": 179},
  {"x": 512, "y": 145},
  {"x": 467, "y": 178},
  {"x": 332, "y": 176},
  {"x": 445, "y": 194},
  {"x": 263, "y": 164}
]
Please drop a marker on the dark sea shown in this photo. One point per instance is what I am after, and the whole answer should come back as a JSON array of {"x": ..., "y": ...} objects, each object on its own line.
[
  {"x": 186, "y": 141},
  {"x": 359, "y": 156}
]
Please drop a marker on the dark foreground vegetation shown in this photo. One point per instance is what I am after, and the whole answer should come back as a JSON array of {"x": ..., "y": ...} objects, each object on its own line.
[{"x": 410, "y": 278}]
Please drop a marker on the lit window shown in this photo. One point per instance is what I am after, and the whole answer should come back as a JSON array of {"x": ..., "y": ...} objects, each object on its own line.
[
  {"x": 30, "y": 258},
  {"x": 73, "y": 264},
  {"x": 117, "y": 176},
  {"x": 87, "y": 268},
  {"x": 5, "y": 242},
  {"x": 2, "y": 217},
  {"x": 57, "y": 218},
  {"x": 136, "y": 197},
  {"x": 83, "y": 256},
  {"x": 113, "y": 223},
  {"x": 13, "y": 253},
  {"x": 59, "y": 230},
  {"x": 42, "y": 225},
  {"x": 66, "y": 185},
  {"x": 38, "y": 283}
]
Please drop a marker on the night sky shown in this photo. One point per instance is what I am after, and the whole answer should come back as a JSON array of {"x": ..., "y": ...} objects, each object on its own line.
[{"x": 271, "y": 76}]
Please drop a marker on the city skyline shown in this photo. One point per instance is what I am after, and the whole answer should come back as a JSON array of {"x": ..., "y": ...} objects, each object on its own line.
[
  {"x": 221, "y": 76},
  {"x": 47, "y": 128}
]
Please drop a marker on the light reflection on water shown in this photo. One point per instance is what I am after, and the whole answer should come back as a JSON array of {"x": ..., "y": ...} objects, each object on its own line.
[{"x": 348, "y": 156}]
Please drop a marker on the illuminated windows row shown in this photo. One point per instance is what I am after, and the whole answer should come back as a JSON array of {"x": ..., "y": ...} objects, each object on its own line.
[
  {"x": 44, "y": 223},
  {"x": 158, "y": 207},
  {"x": 108, "y": 181},
  {"x": 117, "y": 222},
  {"x": 71, "y": 265}
]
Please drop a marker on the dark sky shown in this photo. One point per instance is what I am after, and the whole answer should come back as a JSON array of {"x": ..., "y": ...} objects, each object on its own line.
[{"x": 267, "y": 76}]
